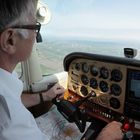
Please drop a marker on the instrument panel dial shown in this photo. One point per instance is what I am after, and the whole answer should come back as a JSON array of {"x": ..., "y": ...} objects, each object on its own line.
[
  {"x": 84, "y": 79},
  {"x": 115, "y": 103},
  {"x": 116, "y": 75},
  {"x": 104, "y": 73},
  {"x": 84, "y": 91},
  {"x": 115, "y": 89},
  {"x": 94, "y": 70},
  {"x": 93, "y": 83},
  {"x": 85, "y": 67},
  {"x": 77, "y": 66},
  {"x": 103, "y": 86}
]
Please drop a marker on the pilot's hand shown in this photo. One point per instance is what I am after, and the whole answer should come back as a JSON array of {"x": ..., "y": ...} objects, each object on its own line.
[
  {"x": 55, "y": 91},
  {"x": 111, "y": 131}
]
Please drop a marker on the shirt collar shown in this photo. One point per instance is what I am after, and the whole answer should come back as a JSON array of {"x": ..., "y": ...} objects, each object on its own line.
[{"x": 11, "y": 81}]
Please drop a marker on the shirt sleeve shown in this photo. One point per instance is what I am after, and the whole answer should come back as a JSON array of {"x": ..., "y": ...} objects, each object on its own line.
[
  {"x": 15, "y": 74},
  {"x": 4, "y": 114}
]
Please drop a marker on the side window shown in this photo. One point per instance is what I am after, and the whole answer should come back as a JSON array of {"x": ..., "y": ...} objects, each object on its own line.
[{"x": 18, "y": 69}]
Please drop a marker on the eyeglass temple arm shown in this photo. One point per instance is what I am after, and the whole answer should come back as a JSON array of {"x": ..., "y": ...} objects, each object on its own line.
[{"x": 39, "y": 38}]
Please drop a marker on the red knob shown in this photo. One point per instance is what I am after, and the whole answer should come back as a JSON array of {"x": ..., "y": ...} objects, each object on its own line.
[{"x": 126, "y": 127}]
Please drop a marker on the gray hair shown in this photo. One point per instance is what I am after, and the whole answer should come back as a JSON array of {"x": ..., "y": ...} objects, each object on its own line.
[{"x": 16, "y": 12}]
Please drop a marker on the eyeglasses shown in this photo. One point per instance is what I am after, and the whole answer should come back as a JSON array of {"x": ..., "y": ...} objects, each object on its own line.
[{"x": 35, "y": 27}]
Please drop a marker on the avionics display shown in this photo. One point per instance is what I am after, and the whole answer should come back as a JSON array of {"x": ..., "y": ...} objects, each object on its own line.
[
  {"x": 132, "y": 102},
  {"x": 134, "y": 84}
]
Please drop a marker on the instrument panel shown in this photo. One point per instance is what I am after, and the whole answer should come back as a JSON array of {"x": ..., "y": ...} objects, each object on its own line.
[
  {"x": 106, "y": 80},
  {"x": 114, "y": 82}
]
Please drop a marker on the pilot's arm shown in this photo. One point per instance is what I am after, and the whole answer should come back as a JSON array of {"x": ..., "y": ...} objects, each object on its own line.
[
  {"x": 34, "y": 99},
  {"x": 112, "y": 131}
]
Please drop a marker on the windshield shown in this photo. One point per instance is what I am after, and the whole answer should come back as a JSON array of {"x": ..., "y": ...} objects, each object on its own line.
[{"x": 93, "y": 26}]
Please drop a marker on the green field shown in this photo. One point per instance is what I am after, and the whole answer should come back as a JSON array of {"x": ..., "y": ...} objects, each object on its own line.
[{"x": 52, "y": 51}]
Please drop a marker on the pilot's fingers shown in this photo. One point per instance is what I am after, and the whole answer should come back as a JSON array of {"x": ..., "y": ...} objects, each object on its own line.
[
  {"x": 53, "y": 92},
  {"x": 113, "y": 124},
  {"x": 58, "y": 89},
  {"x": 112, "y": 131},
  {"x": 60, "y": 96},
  {"x": 58, "y": 86},
  {"x": 114, "y": 127}
]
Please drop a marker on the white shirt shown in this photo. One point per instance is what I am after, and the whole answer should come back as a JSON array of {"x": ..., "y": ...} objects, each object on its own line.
[{"x": 16, "y": 122}]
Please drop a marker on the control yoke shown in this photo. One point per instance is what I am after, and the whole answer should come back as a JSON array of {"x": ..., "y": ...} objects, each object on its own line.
[{"x": 72, "y": 112}]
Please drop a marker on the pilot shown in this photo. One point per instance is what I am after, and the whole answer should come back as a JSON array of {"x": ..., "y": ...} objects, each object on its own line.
[{"x": 18, "y": 30}]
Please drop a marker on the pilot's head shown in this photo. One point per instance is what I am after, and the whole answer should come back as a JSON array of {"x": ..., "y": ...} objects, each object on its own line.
[{"x": 18, "y": 29}]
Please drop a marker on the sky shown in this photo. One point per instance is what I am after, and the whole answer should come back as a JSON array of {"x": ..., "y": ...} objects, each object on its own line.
[{"x": 95, "y": 18}]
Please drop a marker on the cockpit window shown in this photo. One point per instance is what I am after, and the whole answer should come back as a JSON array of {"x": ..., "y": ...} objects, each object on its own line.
[{"x": 94, "y": 26}]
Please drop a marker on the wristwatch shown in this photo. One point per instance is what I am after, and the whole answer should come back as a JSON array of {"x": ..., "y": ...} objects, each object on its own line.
[{"x": 41, "y": 98}]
